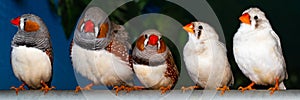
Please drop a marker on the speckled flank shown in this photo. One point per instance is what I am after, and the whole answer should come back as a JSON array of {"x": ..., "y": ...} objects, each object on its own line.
[{"x": 172, "y": 71}]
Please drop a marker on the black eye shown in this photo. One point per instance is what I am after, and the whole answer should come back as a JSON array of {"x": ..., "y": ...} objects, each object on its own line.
[
  {"x": 255, "y": 17},
  {"x": 146, "y": 36},
  {"x": 200, "y": 27}
]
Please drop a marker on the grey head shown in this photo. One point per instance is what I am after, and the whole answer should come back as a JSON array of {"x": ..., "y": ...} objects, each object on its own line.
[
  {"x": 93, "y": 29},
  {"x": 32, "y": 32},
  {"x": 150, "y": 49}
]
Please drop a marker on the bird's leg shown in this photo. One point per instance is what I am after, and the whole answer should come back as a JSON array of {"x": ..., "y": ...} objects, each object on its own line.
[
  {"x": 249, "y": 87},
  {"x": 20, "y": 88},
  {"x": 45, "y": 87},
  {"x": 223, "y": 89},
  {"x": 165, "y": 89},
  {"x": 189, "y": 88},
  {"x": 87, "y": 87},
  {"x": 275, "y": 88}
]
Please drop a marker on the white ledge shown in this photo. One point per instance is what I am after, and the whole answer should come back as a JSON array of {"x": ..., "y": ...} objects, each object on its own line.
[{"x": 148, "y": 94}]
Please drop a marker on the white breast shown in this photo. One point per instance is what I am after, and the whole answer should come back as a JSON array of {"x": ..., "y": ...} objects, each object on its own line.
[
  {"x": 256, "y": 57},
  {"x": 152, "y": 76},
  {"x": 101, "y": 66},
  {"x": 208, "y": 60},
  {"x": 31, "y": 65}
]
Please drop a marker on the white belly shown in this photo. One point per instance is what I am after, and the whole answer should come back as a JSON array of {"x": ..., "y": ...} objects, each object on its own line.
[
  {"x": 31, "y": 65},
  {"x": 152, "y": 77},
  {"x": 258, "y": 63},
  {"x": 206, "y": 67},
  {"x": 101, "y": 67}
]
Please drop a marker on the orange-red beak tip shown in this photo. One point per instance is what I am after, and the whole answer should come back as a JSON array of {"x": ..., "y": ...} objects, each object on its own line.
[
  {"x": 189, "y": 28},
  {"x": 15, "y": 21},
  {"x": 245, "y": 18}
]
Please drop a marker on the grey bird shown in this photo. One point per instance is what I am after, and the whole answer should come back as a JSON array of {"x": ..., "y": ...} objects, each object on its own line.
[
  {"x": 31, "y": 55},
  {"x": 153, "y": 62},
  {"x": 100, "y": 51}
]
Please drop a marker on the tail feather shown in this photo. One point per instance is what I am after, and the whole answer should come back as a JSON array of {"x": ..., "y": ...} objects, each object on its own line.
[{"x": 281, "y": 86}]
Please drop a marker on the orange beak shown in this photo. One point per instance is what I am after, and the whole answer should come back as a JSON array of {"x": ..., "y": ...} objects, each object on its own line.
[
  {"x": 245, "y": 18},
  {"x": 189, "y": 28},
  {"x": 16, "y": 21}
]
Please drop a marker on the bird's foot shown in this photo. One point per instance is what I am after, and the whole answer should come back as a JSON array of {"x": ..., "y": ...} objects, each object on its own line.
[
  {"x": 133, "y": 88},
  {"x": 165, "y": 89},
  {"x": 183, "y": 89},
  {"x": 223, "y": 89},
  {"x": 45, "y": 87},
  {"x": 119, "y": 88},
  {"x": 20, "y": 88},
  {"x": 275, "y": 88},
  {"x": 87, "y": 87},
  {"x": 249, "y": 87}
]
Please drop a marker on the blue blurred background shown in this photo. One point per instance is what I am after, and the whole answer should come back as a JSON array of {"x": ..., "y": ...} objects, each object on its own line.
[
  {"x": 63, "y": 77},
  {"x": 61, "y": 16}
]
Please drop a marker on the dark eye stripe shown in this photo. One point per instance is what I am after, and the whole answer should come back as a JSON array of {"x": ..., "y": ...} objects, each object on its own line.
[{"x": 199, "y": 33}]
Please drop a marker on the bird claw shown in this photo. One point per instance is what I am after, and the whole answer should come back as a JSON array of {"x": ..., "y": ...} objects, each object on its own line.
[
  {"x": 164, "y": 89},
  {"x": 183, "y": 89},
  {"x": 133, "y": 88},
  {"x": 249, "y": 87},
  {"x": 223, "y": 89},
  {"x": 78, "y": 88},
  {"x": 273, "y": 89},
  {"x": 87, "y": 87},
  {"x": 20, "y": 88},
  {"x": 45, "y": 87},
  {"x": 242, "y": 89},
  {"x": 117, "y": 88}
]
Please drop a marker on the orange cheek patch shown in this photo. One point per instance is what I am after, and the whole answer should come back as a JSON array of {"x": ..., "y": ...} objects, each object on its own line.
[
  {"x": 103, "y": 30},
  {"x": 140, "y": 43},
  {"x": 31, "y": 26},
  {"x": 162, "y": 48},
  {"x": 80, "y": 24}
]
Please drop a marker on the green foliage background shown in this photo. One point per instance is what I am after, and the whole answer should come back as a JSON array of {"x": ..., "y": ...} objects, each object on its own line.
[{"x": 282, "y": 15}]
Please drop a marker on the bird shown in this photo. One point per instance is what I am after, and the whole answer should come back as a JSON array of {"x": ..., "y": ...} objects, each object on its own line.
[
  {"x": 153, "y": 62},
  {"x": 204, "y": 54},
  {"x": 100, "y": 51},
  {"x": 31, "y": 54},
  {"x": 257, "y": 51}
]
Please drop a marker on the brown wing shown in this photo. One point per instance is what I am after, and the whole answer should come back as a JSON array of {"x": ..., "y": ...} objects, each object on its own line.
[
  {"x": 71, "y": 45},
  {"x": 50, "y": 55},
  {"x": 172, "y": 70},
  {"x": 120, "y": 50}
]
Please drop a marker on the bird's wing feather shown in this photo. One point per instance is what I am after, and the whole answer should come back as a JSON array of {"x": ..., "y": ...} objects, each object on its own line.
[
  {"x": 279, "y": 51},
  {"x": 172, "y": 70}
]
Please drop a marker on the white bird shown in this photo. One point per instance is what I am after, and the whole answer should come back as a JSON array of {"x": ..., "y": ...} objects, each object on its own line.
[
  {"x": 257, "y": 51},
  {"x": 205, "y": 54}
]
